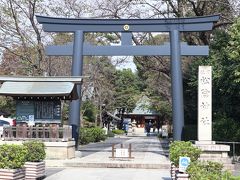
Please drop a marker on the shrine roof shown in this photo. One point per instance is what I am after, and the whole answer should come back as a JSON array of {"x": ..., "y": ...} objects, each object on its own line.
[{"x": 40, "y": 87}]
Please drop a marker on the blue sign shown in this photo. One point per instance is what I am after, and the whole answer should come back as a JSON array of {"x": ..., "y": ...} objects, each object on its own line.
[{"x": 183, "y": 163}]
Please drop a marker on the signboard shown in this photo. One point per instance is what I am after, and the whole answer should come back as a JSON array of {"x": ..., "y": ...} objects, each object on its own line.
[
  {"x": 149, "y": 117},
  {"x": 38, "y": 111},
  {"x": 184, "y": 163},
  {"x": 31, "y": 120},
  {"x": 123, "y": 153},
  {"x": 164, "y": 131},
  {"x": 23, "y": 110},
  {"x": 205, "y": 103}
]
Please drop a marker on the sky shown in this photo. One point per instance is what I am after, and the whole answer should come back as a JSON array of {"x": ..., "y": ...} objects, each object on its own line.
[{"x": 126, "y": 64}]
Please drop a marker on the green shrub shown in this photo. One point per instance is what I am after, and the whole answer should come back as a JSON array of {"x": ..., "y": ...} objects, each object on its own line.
[
  {"x": 182, "y": 148},
  {"x": 118, "y": 131},
  {"x": 88, "y": 135},
  {"x": 85, "y": 136},
  {"x": 199, "y": 170},
  {"x": 228, "y": 176},
  {"x": 12, "y": 156},
  {"x": 36, "y": 151},
  {"x": 98, "y": 134}
]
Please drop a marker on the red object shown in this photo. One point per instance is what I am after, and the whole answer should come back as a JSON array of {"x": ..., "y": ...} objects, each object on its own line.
[{"x": 14, "y": 123}]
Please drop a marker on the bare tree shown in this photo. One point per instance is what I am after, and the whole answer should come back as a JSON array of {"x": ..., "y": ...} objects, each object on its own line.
[
  {"x": 19, "y": 32},
  {"x": 22, "y": 40},
  {"x": 154, "y": 69}
]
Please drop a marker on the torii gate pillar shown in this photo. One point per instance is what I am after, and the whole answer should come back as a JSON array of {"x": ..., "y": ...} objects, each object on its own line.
[
  {"x": 177, "y": 85},
  {"x": 77, "y": 70}
]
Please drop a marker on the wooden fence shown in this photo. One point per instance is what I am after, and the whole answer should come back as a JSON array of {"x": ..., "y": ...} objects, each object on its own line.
[{"x": 55, "y": 133}]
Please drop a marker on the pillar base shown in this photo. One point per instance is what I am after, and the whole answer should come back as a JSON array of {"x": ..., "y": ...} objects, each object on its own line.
[{"x": 215, "y": 152}]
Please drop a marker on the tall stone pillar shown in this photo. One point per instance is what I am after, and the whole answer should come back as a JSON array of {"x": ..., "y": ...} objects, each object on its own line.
[
  {"x": 210, "y": 150},
  {"x": 205, "y": 103}
]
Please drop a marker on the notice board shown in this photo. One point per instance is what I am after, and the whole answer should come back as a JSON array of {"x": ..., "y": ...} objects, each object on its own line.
[{"x": 38, "y": 111}]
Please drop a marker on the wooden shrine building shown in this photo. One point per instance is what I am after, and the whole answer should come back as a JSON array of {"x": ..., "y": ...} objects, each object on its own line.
[
  {"x": 143, "y": 114},
  {"x": 38, "y": 99}
]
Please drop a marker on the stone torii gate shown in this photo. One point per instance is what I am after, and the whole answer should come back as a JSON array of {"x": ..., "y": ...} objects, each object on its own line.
[{"x": 175, "y": 49}]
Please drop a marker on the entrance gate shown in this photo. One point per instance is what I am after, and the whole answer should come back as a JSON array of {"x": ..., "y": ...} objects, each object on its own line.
[{"x": 175, "y": 49}]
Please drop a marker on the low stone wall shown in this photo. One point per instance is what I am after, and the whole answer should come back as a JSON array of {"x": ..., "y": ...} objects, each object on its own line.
[
  {"x": 215, "y": 152},
  {"x": 54, "y": 150},
  {"x": 60, "y": 150}
]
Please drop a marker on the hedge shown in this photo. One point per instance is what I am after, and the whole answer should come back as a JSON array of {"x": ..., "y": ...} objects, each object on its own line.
[
  {"x": 88, "y": 135},
  {"x": 12, "y": 156}
]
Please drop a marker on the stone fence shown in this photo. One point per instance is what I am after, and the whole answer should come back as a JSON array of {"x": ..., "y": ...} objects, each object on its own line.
[
  {"x": 51, "y": 133},
  {"x": 58, "y": 140}
]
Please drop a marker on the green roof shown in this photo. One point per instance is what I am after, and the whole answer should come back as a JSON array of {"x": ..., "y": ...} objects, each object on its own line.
[
  {"x": 143, "y": 107},
  {"x": 40, "y": 86}
]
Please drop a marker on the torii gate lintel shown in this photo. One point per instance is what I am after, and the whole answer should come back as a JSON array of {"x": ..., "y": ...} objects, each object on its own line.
[{"x": 127, "y": 50}]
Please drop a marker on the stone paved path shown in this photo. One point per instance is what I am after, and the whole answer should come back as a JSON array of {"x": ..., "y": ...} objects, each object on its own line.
[{"x": 92, "y": 161}]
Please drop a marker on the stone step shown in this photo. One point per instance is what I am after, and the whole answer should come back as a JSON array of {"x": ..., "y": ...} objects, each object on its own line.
[
  {"x": 117, "y": 165},
  {"x": 220, "y": 160}
]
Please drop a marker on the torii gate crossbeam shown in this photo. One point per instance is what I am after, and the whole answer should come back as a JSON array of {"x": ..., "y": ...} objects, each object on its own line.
[{"x": 126, "y": 26}]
